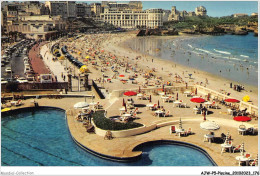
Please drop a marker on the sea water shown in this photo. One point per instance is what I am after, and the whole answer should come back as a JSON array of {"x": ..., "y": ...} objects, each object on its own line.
[{"x": 234, "y": 57}]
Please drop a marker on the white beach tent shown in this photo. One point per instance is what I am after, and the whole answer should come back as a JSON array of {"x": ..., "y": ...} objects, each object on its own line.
[
  {"x": 209, "y": 125},
  {"x": 81, "y": 105}
]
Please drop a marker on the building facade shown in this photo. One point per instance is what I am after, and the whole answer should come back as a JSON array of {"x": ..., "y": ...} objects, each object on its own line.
[
  {"x": 66, "y": 9},
  {"x": 38, "y": 27},
  {"x": 201, "y": 11},
  {"x": 151, "y": 18}
]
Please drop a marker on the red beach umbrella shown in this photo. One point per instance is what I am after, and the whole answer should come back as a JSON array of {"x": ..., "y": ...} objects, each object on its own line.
[
  {"x": 121, "y": 75},
  {"x": 230, "y": 100},
  {"x": 197, "y": 100},
  {"x": 242, "y": 118},
  {"x": 130, "y": 93}
]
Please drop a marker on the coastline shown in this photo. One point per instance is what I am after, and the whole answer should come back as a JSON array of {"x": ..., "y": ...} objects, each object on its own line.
[{"x": 218, "y": 83}]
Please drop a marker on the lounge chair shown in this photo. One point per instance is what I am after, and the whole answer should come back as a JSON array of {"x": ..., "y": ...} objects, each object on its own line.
[
  {"x": 167, "y": 114},
  {"x": 172, "y": 129},
  {"x": 189, "y": 131},
  {"x": 254, "y": 162},
  {"x": 237, "y": 148}
]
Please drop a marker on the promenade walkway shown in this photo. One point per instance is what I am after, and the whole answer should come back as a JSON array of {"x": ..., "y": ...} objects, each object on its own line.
[{"x": 36, "y": 61}]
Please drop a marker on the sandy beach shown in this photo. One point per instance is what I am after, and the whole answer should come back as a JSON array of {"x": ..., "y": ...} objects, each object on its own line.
[{"x": 214, "y": 82}]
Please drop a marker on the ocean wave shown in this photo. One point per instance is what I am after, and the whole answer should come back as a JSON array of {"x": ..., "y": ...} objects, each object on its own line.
[
  {"x": 206, "y": 51},
  {"x": 244, "y": 56},
  {"x": 223, "y": 52},
  {"x": 190, "y": 46},
  {"x": 234, "y": 58}
]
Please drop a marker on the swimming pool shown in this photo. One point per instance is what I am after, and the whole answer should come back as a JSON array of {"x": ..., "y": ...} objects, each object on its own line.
[{"x": 40, "y": 137}]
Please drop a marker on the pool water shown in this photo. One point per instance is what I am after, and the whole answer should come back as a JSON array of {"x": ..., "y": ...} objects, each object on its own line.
[{"x": 41, "y": 138}]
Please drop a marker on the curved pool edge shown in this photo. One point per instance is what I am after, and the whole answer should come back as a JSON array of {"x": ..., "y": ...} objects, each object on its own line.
[{"x": 136, "y": 155}]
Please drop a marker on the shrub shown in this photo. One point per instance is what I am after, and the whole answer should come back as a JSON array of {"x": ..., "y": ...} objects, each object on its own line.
[{"x": 107, "y": 124}]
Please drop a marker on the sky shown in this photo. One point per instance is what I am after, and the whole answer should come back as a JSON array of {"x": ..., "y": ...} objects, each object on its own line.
[{"x": 214, "y": 8}]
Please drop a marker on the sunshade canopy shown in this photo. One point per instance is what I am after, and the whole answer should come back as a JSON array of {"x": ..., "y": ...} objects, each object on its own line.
[{"x": 197, "y": 100}]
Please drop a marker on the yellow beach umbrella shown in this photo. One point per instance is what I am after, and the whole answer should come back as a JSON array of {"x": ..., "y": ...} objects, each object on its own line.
[
  {"x": 246, "y": 98},
  {"x": 83, "y": 69},
  {"x": 79, "y": 53},
  {"x": 5, "y": 109},
  {"x": 86, "y": 57}
]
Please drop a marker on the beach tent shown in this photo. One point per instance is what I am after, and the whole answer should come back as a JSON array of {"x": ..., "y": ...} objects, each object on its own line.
[
  {"x": 81, "y": 105},
  {"x": 209, "y": 125}
]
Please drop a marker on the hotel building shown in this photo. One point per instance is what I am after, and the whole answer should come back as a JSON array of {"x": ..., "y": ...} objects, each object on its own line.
[{"x": 152, "y": 18}]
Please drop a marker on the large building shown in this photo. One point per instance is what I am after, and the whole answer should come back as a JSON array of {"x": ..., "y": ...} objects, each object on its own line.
[
  {"x": 66, "y": 9},
  {"x": 96, "y": 9},
  {"x": 180, "y": 15},
  {"x": 38, "y": 27},
  {"x": 151, "y": 18},
  {"x": 201, "y": 11}
]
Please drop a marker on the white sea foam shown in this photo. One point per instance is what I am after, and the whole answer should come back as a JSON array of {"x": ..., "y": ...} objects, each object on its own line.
[
  {"x": 223, "y": 52},
  {"x": 244, "y": 56},
  {"x": 190, "y": 46},
  {"x": 205, "y": 51}
]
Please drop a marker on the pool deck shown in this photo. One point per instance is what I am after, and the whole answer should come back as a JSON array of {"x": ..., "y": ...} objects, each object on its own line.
[{"x": 123, "y": 147}]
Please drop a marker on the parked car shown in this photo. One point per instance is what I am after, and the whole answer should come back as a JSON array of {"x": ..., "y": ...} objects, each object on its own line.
[
  {"x": 8, "y": 70},
  {"x": 22, "y": 80},
  {"x": 30, "y": 77}
]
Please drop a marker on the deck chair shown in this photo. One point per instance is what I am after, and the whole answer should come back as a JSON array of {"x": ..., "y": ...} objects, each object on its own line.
[
  {"x": 254, "y": 162},
  {"x": 167, "y": 114},
  {"x": 189, "y": 131},
  {"x": 237, "y": 148},
  {"x": 172, "y": 129}
]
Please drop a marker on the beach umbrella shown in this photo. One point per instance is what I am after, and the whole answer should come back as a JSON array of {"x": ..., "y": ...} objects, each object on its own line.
[
  {"x": 177, "y": 96},
  {"x": 130, "y": 93},
  {"x": 242, "y": 149},
  {"x": 231, "y": 100},
  {"x": 81, "y": 105},
  {"x": 180, "y": 124},
  {"x": 246, "y": 98},
  {"x": 209, "y": 125},
  {"x": 83, "y": 69},
  {"x": 197, "y": 100},
  {"x": 150, "y": 100},
  {"x": 227, "y": 138},
  {"x": 5, "y": 109},
  {"x": 87, "y": 57},
  {"x": 121, "y": 75},
  {"x": 242, "y": 118}
]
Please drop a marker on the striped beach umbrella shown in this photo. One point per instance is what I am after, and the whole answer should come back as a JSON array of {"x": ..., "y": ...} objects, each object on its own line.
[
  {"x": 180, "y": 124},
  {"x": 227, "y": 138},
  {"x": 242, "y": 149}
]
